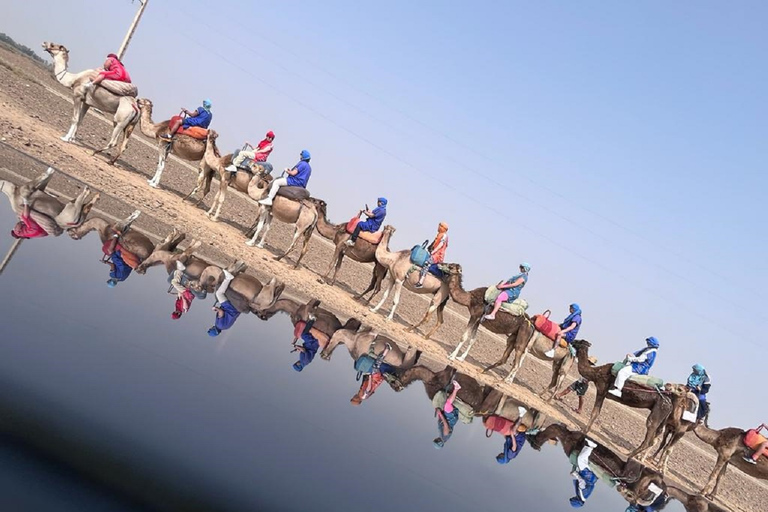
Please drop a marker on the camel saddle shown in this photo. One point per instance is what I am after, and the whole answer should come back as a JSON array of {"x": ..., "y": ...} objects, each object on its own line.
[
  {"x": 466, "y": 412},
  {"x": 753, "y": 440},
  {"x": 516, "y": 308},
  {"x": 320, "y": 336},
  {"x": 293, "y": 193},
  {"x": 251, "y": 166},
  {"x": 193, "y": 131},
  {"x": 373, "y": 238},
  {"x": 545, "y": 326},
  {"x": 648, "y": 381},
  {"x": 129, "y": 258},
  {"x": 120, "y": 88}
]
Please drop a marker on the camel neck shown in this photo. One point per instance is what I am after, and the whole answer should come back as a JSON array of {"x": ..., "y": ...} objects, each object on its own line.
[{"x": 458, "y": 293}]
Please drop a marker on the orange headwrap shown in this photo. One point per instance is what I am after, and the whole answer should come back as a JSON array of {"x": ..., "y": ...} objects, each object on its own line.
[{"x": 442, "y": 228}]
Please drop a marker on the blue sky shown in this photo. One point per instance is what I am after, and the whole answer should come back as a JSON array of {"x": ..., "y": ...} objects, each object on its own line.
[{"x": 616, "y": 147}]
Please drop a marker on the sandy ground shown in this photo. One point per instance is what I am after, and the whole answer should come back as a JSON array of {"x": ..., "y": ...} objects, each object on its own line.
[{"x": 35, "y": 112}]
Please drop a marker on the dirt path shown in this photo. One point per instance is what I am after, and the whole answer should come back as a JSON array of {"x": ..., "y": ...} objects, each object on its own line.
[{"x": 36, "y": 112}]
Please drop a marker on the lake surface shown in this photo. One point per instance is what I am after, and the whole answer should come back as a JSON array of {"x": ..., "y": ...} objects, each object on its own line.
[{"x": 176, "y": 417}]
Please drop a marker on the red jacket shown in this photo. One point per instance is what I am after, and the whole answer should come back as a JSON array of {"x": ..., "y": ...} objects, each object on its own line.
[
  {"x": 185, "y": 301},
  {"x": 116, "y": 72},
  {"x": 29, "y": 229},
  {"x": 263, "y": 150}
]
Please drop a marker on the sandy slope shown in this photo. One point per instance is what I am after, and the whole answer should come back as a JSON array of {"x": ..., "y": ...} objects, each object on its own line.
[{"x": 36, "y": 112}]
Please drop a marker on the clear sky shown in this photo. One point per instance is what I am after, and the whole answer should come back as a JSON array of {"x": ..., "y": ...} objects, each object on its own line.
[{"x": 615, "y": 147}]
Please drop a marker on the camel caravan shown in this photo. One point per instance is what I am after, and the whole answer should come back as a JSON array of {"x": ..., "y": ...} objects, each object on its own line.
[{"x": 674, "y": 408}]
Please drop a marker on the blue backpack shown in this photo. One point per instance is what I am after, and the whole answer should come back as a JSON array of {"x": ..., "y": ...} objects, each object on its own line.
[
  {"x": 365, "y": 365},
  {"x": 419, "y": 254}
]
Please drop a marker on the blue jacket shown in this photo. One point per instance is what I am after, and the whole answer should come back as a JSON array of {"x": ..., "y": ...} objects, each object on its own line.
[
  {"x": 644, "y": 367},
  {"x": 122, "y": 270},
  {"x": 571, "y": 335},
  {"x": 374, "y": 223},
  {"x": 311, "y": 345},
  {"x": 202, "y": 119},
  {"x": 590, "y": 479},
  {"x": 302, "y": 177},
  {"x": 508, "y": 454},
  {"x": 230, "y": 315}
]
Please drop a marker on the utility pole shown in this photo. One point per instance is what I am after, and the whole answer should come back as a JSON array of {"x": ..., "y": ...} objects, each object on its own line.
[
  {"x": 14, "y": 247},
  {"x": 132, "y": 28}
]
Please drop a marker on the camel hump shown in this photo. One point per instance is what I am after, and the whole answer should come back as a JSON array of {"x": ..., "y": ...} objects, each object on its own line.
[
  {"x": 293, "y": 193},
  {"x": 373, "y": 238},
  {"x": 120, "y": 88}
]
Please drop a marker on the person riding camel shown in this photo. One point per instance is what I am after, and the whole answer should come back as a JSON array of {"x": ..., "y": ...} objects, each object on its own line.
[
  {"x": 298, "y": 176},
  {"x": 258, "y": 154},
  {"x": 699, "y": 384},
  {"x": 640, "y": 363},
  {"x": 510, "y": 290},
  {"x": 119, "y": 270},
  {"x": 514, "y": 440},
  {"x": 373, "y": 379},
  {"x": 200, "y": 117},
  {"x": 226, "y": 313},
  {"x": 436, "y": 252},
  {"x": 309, "y": 343},
  {"x": 374, "y": 221},
  {"x": 584, "y": 479},
  {"x": 754, "y": 439},
  {"x": 568, "y": 329},
  {"x": 447, "y": 417},
  {"x": 184, "y": 297},
  {"x": 113, "y": 70},
  {"x": 27, "y": 227}
]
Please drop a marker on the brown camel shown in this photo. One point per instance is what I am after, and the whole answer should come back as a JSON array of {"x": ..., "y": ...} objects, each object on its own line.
[
  {"x": 244, "y": 291},
  {"x": 124, "y": 108},
  {"x": 52, "y": 215},
  {"x": 358, "y": 343},
  {"x": 693, "y": 502},
  {"x": 183, "y": 146},
  {"x": 302, "y": 213},
  {"x": 666, "y": 405},
  {"x": 729, "y": 445},
  {"x": 485, "y": 400},
  {"x": 504, "y": 324},
  {"x": 633, "y": 477},
  {"x": 168, "y": 258},
  {"x": 398, "y": 264},
  {"x": 363, "y": 251},
  {"x": 215, "y": 165},
  {"x": 133, "y": 241}
]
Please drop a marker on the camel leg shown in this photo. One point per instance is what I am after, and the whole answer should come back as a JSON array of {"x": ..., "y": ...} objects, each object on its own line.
[
  {"x": 424, "y": 319},
  {"x": 504, "y": 357},
  {"x": 668, "y": 451},
  {"x": 599, "y": 399},
  {"x": 710, "y": 490},
  {"x": 653, "y": 425},
  {"x": 165, "y": 150},
  {"x": 439, "y": 322},
  {"x": 305, "y": 246},
  {"x": 559, "y": 371},
  {"x": 123, "y": 117},
  {"x": 218, "y": 201},
  {"x": 127, "y": 131},
  {"x": 395, "y": 299},
  {"x": 264, "y": 218},
  {"x": 464, "y": 338},
  {"x": 338, "y": 257},
  {"x": 297, "y": 232},
  {"x": 472, "y": 340},
  {"x": 80, "y": 108},
  {"x": 390, "y": 285}
]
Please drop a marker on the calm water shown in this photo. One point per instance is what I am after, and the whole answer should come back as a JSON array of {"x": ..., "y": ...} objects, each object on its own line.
[{"x": 225, "y": 422}]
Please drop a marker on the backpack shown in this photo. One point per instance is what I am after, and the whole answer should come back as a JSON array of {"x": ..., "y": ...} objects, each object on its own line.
[
  {"x": 365, "y": 365},
  {"x": 419, "y": 254}
]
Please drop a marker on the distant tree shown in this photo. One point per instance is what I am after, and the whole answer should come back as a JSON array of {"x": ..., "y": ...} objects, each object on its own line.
[{"x": 24, "y": 50}]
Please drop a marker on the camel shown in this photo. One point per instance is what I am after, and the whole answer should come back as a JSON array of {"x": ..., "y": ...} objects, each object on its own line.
[
  {"x": 124, "y": 108},
  {"x": 693, "y": 502},
  {"x": 183, "y": 146},
  {"x": 168, "y": 258},
  {"x": 48, "y": 211},
  {"x": 363, "y": 251},
  {"x": 729, "y": 445},
  {"x": 632, "y": 476},
  {"x": 244, "y": 291},
  {"x": 358, "y": 343},
  {"x": 483, "y": 399},
  {"x": 214, "y": 164},
  {"x": 302, "y": 213},
  {"x": 133, "y": 241},
  {"x": 398, "y": 264},
  {"x": 666, "y": 405},
  {"x": 505, "y": 323}
]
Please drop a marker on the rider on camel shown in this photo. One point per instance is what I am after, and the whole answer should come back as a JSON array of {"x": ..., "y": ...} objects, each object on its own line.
[
  {"x": 258, "y": 154},
  {"x": 510, "y": 290},
  {"x": 113, "y": 70},
  {"x": 568, "y": 329},
  {"x": 640, "y": 364},
  {"x": 375, "y": 219},
  {"x": 436, "y": 252},
  {"x": 298, "y": 176},
  {"x": 200, "y": 117}
]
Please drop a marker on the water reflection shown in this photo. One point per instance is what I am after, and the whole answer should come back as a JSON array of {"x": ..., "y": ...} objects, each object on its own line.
[{"x": 243, "y": 437}]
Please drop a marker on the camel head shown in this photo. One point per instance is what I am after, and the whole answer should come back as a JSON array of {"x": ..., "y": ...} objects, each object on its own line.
[
  {"x": 577, "y": 344},
  {"x": 145, "y": 103},
  {"x": 56, "y": 49},
  {"x": 389, "y": 230},
  {"x": 453, "y": 269},
  {"x": 268, "y": 296},
  {"x": 321, "y": 205},
  {"x": 213, "y": 135}
]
